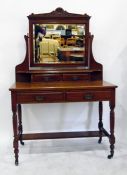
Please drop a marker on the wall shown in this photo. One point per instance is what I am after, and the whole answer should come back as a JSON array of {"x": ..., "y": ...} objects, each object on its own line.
[{"x": 108, "y": 24}]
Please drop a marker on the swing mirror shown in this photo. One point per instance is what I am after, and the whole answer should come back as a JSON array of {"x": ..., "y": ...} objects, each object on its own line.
[{"x": 58, "y": 38}]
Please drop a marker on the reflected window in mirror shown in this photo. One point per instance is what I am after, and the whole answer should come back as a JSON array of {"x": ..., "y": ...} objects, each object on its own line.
[{"x": 58, "y": 43}]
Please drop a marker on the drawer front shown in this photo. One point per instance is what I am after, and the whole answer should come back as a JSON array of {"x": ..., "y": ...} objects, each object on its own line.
[
  {"x": 40, "y": 97},
  {"x": 76, "y": 77},
  {"x": 46, "y": 77},
  {"x": 88, "y": 96}
]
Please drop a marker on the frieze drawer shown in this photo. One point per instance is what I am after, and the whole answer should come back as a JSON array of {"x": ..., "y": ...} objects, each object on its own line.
[
  {"x": 46, "y": 77},
  {"x": 40, "y": 97},
  {"x": 76, "y": 77},
  {"x": 88, "y": 95}
]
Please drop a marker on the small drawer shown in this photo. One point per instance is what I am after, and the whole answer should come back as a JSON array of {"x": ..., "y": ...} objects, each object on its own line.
[
  {"x": 46, "y": 77},
  {"x": 76, "y": 77},
  {"x": 88, "y": 95},
  {"x": 40, "y": 97}
]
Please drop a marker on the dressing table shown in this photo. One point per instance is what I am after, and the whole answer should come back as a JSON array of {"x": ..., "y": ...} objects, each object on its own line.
[{"x": 47, "y": 75}]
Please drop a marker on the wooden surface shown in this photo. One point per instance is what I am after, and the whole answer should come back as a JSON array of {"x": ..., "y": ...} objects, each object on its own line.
[{"x": 62, "y": 85}]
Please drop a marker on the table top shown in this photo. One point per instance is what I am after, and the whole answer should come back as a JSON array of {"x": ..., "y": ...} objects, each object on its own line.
[{"x": 62, "y": 85}]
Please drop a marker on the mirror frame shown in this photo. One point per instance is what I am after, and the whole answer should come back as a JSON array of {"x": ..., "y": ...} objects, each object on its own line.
[{"x": 59, "y": 16}]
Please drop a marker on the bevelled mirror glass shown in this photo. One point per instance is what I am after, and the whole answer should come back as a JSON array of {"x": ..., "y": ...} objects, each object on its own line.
[{"x": 58, "y": 43}]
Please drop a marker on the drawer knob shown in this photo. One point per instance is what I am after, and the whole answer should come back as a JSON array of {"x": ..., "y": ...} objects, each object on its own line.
[
  {"x": 88, "y": 96},
  {"x": 39, "y": 98}
]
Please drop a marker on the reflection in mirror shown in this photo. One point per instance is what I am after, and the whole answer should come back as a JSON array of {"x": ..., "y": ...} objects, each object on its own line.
[{"x": 58, "y": 43}]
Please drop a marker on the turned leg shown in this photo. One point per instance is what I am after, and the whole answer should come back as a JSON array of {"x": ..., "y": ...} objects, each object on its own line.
[
  {"x": 20, "y": 128},
  {"x": 112, "y": 137},
  {"x": 100, "y": 124},
  {"x": 15, "y": 130}
]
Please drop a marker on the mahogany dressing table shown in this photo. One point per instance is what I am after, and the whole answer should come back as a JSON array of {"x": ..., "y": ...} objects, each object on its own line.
[{"x": 47, "y": 76}]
